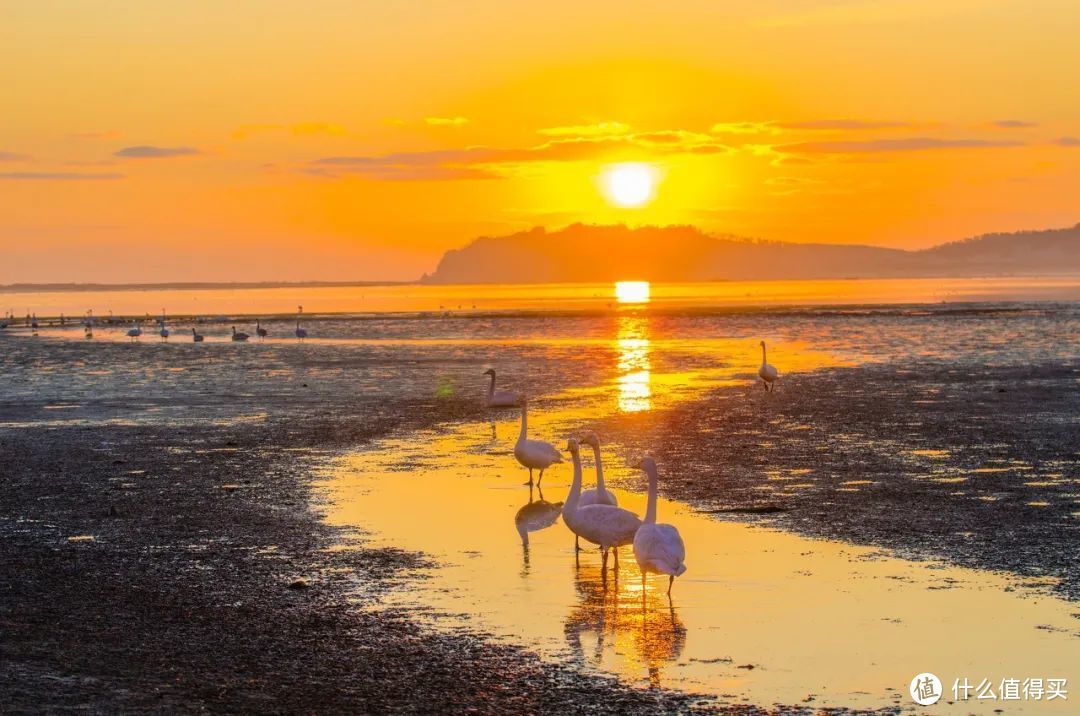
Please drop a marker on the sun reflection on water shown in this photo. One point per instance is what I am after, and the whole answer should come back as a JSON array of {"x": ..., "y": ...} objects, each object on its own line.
[
  {"x": 632, "y": 291},
  {"x": 635, "y": 385}
]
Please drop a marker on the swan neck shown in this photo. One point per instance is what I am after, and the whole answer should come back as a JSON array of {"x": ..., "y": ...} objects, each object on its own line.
[
  {"x": 575, "y": 487},
  {"x": 524, "y": 422},
  {"x": 762, "y": 354},
  {"x": 491, "y": 388},
  {"x": 599, "y": 468},
  {"x": 650, "y": 511}
]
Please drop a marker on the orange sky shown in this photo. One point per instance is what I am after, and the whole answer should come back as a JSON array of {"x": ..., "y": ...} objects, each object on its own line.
[{"x": 337, "y": 139}]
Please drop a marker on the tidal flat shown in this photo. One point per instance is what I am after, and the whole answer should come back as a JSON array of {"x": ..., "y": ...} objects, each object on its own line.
[{"x": 264, "y": 526}]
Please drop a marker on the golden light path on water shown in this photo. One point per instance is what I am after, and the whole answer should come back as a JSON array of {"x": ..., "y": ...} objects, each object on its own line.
[{"x": 761, "y": 616}]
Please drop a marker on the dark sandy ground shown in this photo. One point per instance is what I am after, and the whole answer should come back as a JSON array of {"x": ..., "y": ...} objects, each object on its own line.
[{"x": 953, "y": 458}]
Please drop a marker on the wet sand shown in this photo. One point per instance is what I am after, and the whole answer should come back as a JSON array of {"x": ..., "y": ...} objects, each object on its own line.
[{"x": 159, "y": 516}]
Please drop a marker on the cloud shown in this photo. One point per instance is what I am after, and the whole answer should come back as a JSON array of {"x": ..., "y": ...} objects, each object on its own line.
[
  {"x": 792, "y": 181},
  {"x": 446, "y": 121},
  {"x": 108, "y": 134},
  {"x": 1012, "y": 124},
  {"x": 300, "y": 129},
  {"x": 12, "y": 157},
  {"x": 59, "y": 176},
  {"x": 1067, "y": 142},
  {"x": 910, "y": 144},
  {"x": 743, "y": 128},
  {"x": 494, "y": 162},
  {"x": 315, "y": 128},
  {"x": 815, "y": 124},
  {"x": 145, "y": 151},
  {"x": 600, "y": 129}
]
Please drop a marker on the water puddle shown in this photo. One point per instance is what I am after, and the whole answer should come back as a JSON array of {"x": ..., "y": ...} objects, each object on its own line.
[{"x": 761, "y": 616}]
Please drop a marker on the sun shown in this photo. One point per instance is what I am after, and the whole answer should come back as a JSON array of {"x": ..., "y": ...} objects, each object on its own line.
[{"x": 629, "y": 185}]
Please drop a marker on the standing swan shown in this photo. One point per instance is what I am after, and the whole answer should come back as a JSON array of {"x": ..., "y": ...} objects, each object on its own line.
[
  {"x": 766, "y": 372},
  {"x": 259, "y": 330},
  {"x": 134, "y": 333},
  {"x": 658, "y": 548},
  {"x": 608, "y": 526},
  {"x": 301, "y": 333},
  {"x": 196, "y": 336},
  {"x": 164, "y": 332},
  {"x": 599, "y": 496},
  {"x": 502, "y": 399},
  {"x": 534, "y": 454}
]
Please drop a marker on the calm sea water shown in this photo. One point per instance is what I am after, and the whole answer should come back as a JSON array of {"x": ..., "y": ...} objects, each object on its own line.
[{"x": 544, "y": 297}]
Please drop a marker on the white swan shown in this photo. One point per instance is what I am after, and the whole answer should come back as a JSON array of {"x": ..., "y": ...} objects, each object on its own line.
[
  {"x": 502, "y": 399},
  {"x": 658, "y": 548},
  {"x": 164, "y": 332},
  {"x": 239, "y": 336},
  {"x": 135, "y": 332},
  {"x": 600, "y": 495},
  {"x": 534, "y": 454},
  {"x": 608, "y": 526},
  {"x": 766, "y": 372},
  {"x": 301, "y": 334}
]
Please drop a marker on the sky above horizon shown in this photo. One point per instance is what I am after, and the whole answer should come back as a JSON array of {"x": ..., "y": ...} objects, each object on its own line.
[{"x": 334, "y": 140}]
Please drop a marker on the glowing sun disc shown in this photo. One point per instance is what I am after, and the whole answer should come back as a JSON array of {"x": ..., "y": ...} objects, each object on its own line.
[{"x": 629, "y": 185}]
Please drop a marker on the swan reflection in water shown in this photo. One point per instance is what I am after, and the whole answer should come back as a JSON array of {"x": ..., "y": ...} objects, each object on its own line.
[
  {"x": 535, "y": 515},
  {"x": 615, "y": 621}
]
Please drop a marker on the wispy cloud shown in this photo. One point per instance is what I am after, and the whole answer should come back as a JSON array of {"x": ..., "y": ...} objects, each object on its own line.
[
  {"x": 600, "y": 129},
  {"x": 60, "y": 176},
  {"x": 494, "y": 162},
  {"x": 12, "y": 157},
  {"x": 446, "y": 121},
  {"x": 299, "y": 129},
  {"x": 743, "y": 128},
  {"x": 910, "y": 144},
  {"x": 1067, "y": 142},
  {"x": 830, "y": 124},
  {"x": 146, "y": 151},
  {"x": 107, "y": 134},
  {"x": 1012, "y": 124}
]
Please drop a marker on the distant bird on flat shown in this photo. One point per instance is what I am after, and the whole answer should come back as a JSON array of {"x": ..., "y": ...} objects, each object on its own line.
[
  {"x": 239, "y": 336},
  {"x": 301, "y": 333},
  {"x": 259, "y": 330},
  {"x": 134, "y": 333},
  {"x": 500, "y": 399},
  {"x": 766, "y": 372},
  {"x": 196, "y": 336}
]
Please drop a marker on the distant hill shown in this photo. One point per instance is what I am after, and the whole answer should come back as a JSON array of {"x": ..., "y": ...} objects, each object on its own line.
[{"x": 583, "y": 253}]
